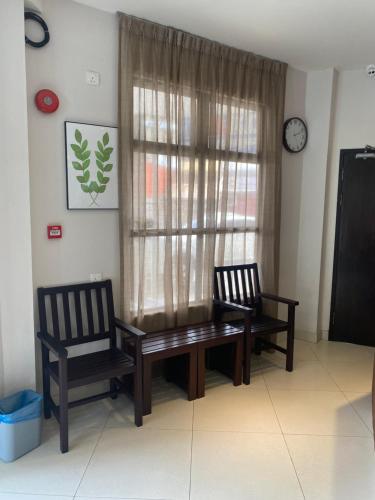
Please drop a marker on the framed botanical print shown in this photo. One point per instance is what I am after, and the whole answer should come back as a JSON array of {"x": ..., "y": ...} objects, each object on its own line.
[{"x": 91, "y": 166}]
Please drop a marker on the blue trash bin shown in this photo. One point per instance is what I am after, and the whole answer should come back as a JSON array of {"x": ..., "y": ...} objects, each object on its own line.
[{"x": 20, "y": 424}]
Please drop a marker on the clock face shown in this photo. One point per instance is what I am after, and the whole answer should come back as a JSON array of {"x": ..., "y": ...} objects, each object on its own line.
[{"x": 295, "y": 135}]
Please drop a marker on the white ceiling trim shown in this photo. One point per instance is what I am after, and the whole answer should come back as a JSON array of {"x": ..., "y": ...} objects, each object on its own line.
[{"x": 307, "y": 34}]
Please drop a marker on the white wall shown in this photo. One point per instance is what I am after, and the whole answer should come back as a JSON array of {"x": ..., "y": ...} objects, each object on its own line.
[
  {"x": 291, "y": 180},
  {"x": 309, "y": 96},
  {"x": 17, "y": 360},
  {"x": 354, "y": 127},
  {"x": 81, "y": 39},
  {"x": 319, "y": 94}
]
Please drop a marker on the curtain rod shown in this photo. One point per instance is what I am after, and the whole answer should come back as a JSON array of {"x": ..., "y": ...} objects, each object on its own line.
[{"x": 155, "y": 23}]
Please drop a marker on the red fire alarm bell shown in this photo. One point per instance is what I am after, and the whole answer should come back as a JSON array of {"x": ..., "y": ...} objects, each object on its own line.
[
  {"x": 54, "y": 232},
  {"x": 46, "y": 101}
]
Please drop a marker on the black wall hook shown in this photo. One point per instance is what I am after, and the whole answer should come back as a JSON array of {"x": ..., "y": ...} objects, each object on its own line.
[{"x": 35, "y": 17}]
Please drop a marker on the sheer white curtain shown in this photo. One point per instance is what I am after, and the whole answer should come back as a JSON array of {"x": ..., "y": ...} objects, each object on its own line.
[{"x": 200, "y": 140}]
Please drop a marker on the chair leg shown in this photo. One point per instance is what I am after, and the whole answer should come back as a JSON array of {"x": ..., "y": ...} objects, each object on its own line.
[
  {"x": 63, "y": 405},
  {"x": 147, "y": 386},
  {"x": 113, "y": 388},
  {"x": 290, "y": 349},
  {"x": 238, "y": 357},
  {"x": 257, "y": 347},
  {"x": 201, "y": 372},
  {"x": 249, "y": 344},
  {"x": 46, "y": 383},
  {"x": 138, "y": 399},
  {"x": 290, "y": 339},
  {"x": 192, "y": 376}
]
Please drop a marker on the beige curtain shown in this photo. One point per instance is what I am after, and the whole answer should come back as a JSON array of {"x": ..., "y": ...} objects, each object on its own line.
[{"x": 200, "y": 142}]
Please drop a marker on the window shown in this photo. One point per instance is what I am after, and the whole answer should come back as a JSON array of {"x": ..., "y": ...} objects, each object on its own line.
[{"x": 183, "y": 147}]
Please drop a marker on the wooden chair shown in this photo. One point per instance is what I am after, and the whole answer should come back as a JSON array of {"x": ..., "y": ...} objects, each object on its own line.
[
  {"x": 237, "y": 288},
  {"x": 77, "y": 314}
]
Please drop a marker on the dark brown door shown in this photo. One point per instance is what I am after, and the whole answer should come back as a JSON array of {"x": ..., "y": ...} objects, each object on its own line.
[{"x": 353, "y": 286}]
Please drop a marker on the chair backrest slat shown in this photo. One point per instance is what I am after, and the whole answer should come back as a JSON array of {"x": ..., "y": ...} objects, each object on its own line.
[
  {"x": 55, "y": 316},
  {"x": 230, "y": 286},
  {"x": 246, "y": 287},
  {"x": 90, "y": 317},
  {"x": 84, "y": 317},
  {"x": 251, "y": 286},
  {"x": 222, "y": 284},
  {"x": 77, "y": 303},
  {"x": 237, "y": 285},
  {"x": 99, "y": 301},
  {"x": 68, "y": 324}
]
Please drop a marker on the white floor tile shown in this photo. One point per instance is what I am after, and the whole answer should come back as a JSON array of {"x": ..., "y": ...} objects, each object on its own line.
[
  {"x": 362, "y": 403},
  {"x": 45, "y": 470},
  {"x": 239, "y": 466},
  {"x": 334, "y": 468},
  {"x": 170, "y": 409},
  {"x": 307, "y": 375},
  {"x": 316, "y": 412},
  {"x": 330, "y": 352},
  {"x": 352, "y": 377},
  {"x": 139, "y": 463},
  {"x": 216, "y": 381},
  {"x": 303, "y": 350},
  {"x": 21, "y": 496},
  {"x": 90, "y": 416},
  {"x": 240, "y": 409}
]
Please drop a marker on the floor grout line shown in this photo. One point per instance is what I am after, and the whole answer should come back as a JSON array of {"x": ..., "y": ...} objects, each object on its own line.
[
  {"x": 191, "y": 450},
  {"x": 92, "y": 454},
  {"x": 286, "y": 444}
]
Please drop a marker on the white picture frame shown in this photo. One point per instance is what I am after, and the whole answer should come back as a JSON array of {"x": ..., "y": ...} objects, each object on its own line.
[{"x": 91, "y": 166}]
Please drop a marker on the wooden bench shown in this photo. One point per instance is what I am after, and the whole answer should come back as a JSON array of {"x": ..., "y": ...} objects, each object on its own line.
[{"x": 184, "y": 350}]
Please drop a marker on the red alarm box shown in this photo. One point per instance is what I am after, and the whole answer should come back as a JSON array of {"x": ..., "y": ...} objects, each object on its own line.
[{"x": 54, "y": 232}]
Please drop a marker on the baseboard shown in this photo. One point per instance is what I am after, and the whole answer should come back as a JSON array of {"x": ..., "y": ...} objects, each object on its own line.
[
  {"x": 306, "y": 336},
  {"x": 325, "y": 334}
]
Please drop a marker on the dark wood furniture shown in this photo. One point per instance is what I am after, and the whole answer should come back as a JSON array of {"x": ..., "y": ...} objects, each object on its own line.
[
  {"x": 178, "y": 349},
  {"x": 183, "y": 349},
  {"x": 78, "y": 314},
  {"x": 237, "y": 289},
  {"x": 213, "y": 336}
]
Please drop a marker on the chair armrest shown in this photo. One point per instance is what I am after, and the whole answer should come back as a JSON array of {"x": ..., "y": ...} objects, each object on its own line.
[
  {"x": 132, "y": 330},
  {"x": 52, "y": 344},
  {"x": 270, "y": 296},
  {"x": 233, "y": 306}
]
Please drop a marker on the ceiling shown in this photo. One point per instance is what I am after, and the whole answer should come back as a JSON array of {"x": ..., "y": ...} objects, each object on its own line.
[{"x": 307, "y": 34}]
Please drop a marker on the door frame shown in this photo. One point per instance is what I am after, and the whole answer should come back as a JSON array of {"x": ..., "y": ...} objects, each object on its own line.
[{"x": 343, "y": 154}]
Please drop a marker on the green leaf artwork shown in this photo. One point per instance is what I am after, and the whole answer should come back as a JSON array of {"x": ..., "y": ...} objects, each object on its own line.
[{"x": 82, "y": 162}]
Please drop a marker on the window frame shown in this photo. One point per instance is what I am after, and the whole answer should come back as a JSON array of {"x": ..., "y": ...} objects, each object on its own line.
[{"x": 202, "y": 152}]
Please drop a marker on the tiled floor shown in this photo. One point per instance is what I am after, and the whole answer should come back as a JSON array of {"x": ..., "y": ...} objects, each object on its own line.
[{"x": 287, "y": 436}]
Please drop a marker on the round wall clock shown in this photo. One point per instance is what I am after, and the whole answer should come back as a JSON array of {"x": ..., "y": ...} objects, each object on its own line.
[{"x": 294, "y": 135}]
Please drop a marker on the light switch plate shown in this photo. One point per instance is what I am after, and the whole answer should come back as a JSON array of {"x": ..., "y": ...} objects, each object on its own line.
[
  {"x": 92, "y": 78},
  {"x": 96, "y": 277}
]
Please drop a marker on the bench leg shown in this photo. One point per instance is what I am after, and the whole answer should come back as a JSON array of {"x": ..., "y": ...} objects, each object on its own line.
[
  {"x": 147, "y": 386},
  {"x": 238, "y": 358},
  {"x": 201, "y": 371},
  {"x": 63, "y": 405},
  {"x": 192, "y": 382}
]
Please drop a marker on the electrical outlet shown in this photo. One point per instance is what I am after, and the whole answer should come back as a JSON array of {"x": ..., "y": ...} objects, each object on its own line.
[
  {"x": 96, "y": 277},
  {"x": 92, "y": 78}
]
